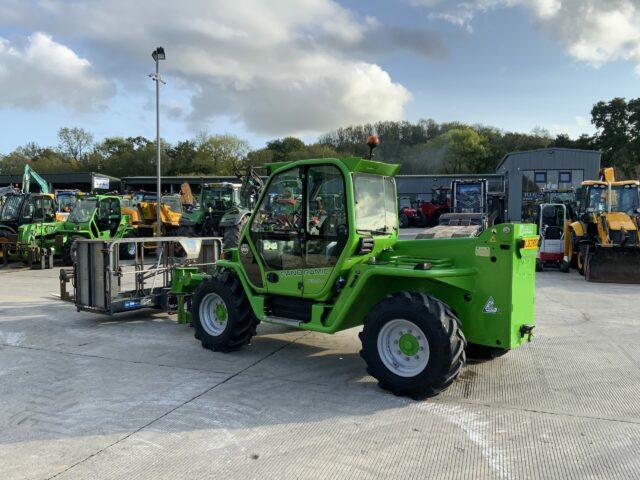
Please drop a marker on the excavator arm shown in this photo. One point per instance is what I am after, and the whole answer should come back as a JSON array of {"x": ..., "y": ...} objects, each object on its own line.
[{"x": 28, "y": 174}]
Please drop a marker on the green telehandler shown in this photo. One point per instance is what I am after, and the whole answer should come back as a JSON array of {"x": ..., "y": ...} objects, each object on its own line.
[
  {"x": 24, "y": 208},
  {"x": 321, "y": 253},
  {"x": 92, "y": 216}
]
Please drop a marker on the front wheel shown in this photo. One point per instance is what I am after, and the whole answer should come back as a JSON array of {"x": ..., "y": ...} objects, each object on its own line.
[
  {"x": 404, "y": 221},
  {"x": 573, "y": 250},
  {"x": 413, "y": 344},
  {"x": 221, "y": 315},
  {"x": 582, "y": 256}
]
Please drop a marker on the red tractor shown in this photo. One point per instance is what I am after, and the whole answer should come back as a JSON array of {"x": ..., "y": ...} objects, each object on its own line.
[
  {"x": 424, "y": 214},
  {"x": 440, "y": 203},
  {"x": 409, "y": 213}
]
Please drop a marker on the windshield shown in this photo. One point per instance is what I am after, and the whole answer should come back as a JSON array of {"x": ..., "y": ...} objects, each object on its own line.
[
  {"x": 469, "y": 198},
  {"x": 624, "y": 198},
  {"x": 220, "y": 199},
  {"x": 83, "y": 210},
  {"x": 11, "y": 208},
  {"x": 65, "y": 202},
  {"x": 376, "y": 204},
  {"x": 597, "y": 198},
  {"x": 173, "y": 203}
]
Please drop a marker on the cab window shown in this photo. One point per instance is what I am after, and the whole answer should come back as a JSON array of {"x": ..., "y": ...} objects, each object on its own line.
[
  {"x": 326, "y": 221},
  {"x": 376, "y": 204},
  {"x": 277, "y": 224}
]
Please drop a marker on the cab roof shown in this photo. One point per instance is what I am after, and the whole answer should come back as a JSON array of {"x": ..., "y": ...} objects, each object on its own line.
[
  {"x": 590, "y": 183},
  {"x": 353, "y": 164}
]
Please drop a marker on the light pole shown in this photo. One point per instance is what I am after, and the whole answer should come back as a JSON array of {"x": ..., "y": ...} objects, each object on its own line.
[{"x": 158, "y": 54}]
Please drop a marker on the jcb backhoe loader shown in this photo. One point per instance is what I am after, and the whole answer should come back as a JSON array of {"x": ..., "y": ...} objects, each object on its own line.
[{"x": 604, "y": 243}]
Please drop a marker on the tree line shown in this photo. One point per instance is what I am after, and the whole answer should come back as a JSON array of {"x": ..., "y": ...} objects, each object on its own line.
[{"x": 421, "y": 147}]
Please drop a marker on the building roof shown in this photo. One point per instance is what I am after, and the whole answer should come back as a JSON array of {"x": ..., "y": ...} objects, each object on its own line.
[
  {"x": 65, "y": 177},
  {"x": 546, "y": 150}
]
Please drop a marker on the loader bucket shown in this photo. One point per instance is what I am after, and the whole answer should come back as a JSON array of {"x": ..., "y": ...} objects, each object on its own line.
[{"x": 613, "y": 265}]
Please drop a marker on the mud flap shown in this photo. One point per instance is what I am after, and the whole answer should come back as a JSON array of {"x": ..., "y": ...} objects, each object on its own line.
[{"x": 613, "y": 265}]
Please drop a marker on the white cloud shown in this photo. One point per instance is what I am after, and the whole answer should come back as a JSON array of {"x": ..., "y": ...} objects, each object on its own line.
[
  {"x": 592, "y": 31},
  {"x": 279, "y": 67},
  {"x": 41, "y": 71}
]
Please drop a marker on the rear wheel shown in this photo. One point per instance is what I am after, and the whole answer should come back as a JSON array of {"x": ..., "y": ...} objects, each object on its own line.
[
  {"x": 128, "y": 250},
  {"x": 221, "y": 315},
  {"x": 231, "y": 235},
  {"x": 70, "y": 250},
  {"x": 435, "y": 220},
  {"x": 412, "y": 344}
]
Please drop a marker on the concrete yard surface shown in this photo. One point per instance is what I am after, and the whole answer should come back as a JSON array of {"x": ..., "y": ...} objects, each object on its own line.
[{"x": 85, "y": 396}]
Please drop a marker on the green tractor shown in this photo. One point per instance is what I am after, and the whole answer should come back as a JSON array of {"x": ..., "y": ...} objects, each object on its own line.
[
  {"x": 224, "y": 208},
  {"x": 22, "y": 210},
  {"x": 321, "y": 253},
  {"x": 214, "y": 201},
  {"x": 234, "y": 220},
  {"x": 92, "y": 216}
]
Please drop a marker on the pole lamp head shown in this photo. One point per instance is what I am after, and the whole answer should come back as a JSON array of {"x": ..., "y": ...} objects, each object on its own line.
[{"x": 158, "y": 54}]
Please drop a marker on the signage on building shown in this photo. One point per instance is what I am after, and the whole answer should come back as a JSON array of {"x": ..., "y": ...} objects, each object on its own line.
[{"x": 100, "y": 183}]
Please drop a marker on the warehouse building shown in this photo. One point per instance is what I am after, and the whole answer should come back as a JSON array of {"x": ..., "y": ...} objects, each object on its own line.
[
  {"x": 424, "y": 187},
  {"x": 85, "y": 181},
  {"x": 171, "y": 184},
  {"x": 528, "y": 175}
]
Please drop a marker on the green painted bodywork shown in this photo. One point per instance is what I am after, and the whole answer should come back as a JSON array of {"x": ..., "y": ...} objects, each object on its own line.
[
  {"x": 488, "y": 281},
  {"x": 56, "y": 234}
]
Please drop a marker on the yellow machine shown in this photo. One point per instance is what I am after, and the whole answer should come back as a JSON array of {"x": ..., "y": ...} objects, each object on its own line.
[
  {"x": 604, "y": 243},
  {"x": 170, "y": 213}
]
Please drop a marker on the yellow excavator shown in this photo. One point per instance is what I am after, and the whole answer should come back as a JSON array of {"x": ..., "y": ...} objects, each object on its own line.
[{"x": 604, "y": 241}]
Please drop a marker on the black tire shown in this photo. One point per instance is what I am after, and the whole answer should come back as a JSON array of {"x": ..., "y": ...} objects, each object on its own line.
[
  {"x": 582, "y": 258},
  {"x": 573, "y": 258},
  {"x": 404, "y": 220},
  {"x": 231, "y": 235},
  {"x": 565, "y": 267},
  {"x": 240, "y": 323},
  {"x": 483, "y": 353},
  {"x": 128, "y": 250},
  {"x": 443, "y": 334},
  {"x": 435, "y": 220},
  {"x": 69, "y": 250},
  {"x": 539, "y": 265}
]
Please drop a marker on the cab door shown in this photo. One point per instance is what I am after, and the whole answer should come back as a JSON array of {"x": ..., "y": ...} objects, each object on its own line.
[
  {"x": 326, "y": 223},
  {"x": 277, "y": 234}
]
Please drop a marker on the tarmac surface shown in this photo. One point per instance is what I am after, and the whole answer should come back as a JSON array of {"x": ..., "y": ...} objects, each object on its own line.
[{"x": 84, "y": 396}]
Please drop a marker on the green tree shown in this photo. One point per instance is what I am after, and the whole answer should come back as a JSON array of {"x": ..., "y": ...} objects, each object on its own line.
[
  {"x": 219, "y": 154},
  {"x": 465, "y": 151},
  {"x": 182, "y": 156},
  {"x": 74, "y": 143},
  {"x": 618, "y": 126},
  {"x": 282, "y": 148}
]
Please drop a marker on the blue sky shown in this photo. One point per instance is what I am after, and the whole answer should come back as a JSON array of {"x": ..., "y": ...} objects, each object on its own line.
[{"x": 513, "y": 64}]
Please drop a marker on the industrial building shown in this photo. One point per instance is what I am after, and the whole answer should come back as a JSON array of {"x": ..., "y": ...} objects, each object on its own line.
[
  {"x": 85, "y": 181},
  {"x": 527, "y": 175},
  {"x": 423, "y": 187},
  {"x": 172, "y": 184}
]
